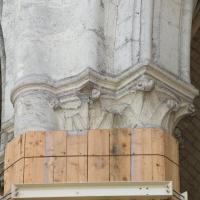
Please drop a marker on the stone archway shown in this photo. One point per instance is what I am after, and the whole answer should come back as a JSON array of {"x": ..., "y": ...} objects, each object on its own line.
[{"x": 188, "y": 129}]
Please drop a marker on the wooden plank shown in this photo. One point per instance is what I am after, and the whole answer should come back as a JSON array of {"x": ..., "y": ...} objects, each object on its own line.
[
  {"x": 77, "y": 169},
  {"x": 14, "y": 162},
  {"x": 55, "y": 143},
  {"x": 142, "y": 147},
  {"x": 141, "y": 168},
  {"x": 158, "y": 168},
  {"x": 98, "y": 168},
  {"x": 55, "y": 146},
  {"x": 171, "y": 153},
  {"x": 98, "y": 142},
  {"x": 151, "y": 138},
  {"x": 77, "y": 144},
  {"x": 147, "y": 168},
  {"x": 149, "y": 145},
  {"x": 19, "y": 147},
  {"x": 49, "y": 165},
  {"x": 141, "y": 141},
  {"x": 18, "y": 172},
  {"x": 45, "y": 170},
  {"x": 158, "y": 152},
  {"x": 35, "y": 171},
  {"x": 14, "y": 151},
  {"x": 35, "y": 144},
  {"x": 172, "y": 174},
  {"x": 47, "y": 162},
  {"x": 120, "y": 168},
  {"x": 120, "y": 142},
  {"x": 60, "y": 170},
  {"x": 137, "y": 172},
  {"x": 157, "y": 141},
  {"x": 14, "y": 175}
]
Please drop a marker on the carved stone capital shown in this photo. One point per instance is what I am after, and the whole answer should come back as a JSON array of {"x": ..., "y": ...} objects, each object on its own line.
[
  {"x": 143, "y": 102},
  {"x": 144, "y": 97}
]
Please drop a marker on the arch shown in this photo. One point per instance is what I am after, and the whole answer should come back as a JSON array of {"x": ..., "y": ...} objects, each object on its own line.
[{"x": 188, "y": 129}]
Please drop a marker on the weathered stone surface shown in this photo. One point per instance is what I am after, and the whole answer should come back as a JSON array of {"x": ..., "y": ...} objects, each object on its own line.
[{"x": 57, "y": 49}]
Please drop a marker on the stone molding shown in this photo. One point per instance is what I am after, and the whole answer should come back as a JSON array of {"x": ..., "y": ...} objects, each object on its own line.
[
  {"x": 109, "y": 82},
  {"x": 143, "y": 96}
]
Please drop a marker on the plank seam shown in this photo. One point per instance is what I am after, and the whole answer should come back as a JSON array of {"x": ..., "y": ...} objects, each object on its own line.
[{"x": 24, "y": 157}]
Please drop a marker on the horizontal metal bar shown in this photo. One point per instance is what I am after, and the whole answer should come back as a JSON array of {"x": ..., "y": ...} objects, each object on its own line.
[{"x": 110, "y": 190}]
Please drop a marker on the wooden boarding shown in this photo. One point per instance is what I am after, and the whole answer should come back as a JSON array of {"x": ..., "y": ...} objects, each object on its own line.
[
  {"x": 120, "y": 150},
  {"x": 147, "y": 141},
  {"x": 77, "y": 144},
  {"x": 173, "y": 152},
  {"x": 98, "y": 169},
  {"x": 172, "y": 174},
  {"x": 13, "y": 154},
  {"x": 55, "y": 164},
  {"x": 35, "y": 144},
  {"x": 158, "y": 168},
  {"x": 148, "y": 168},
  {"x": 120, "y": 168},
  {"x": 98, "y": 142},
  {"x": 77, "y": 169},
  {"x": 14, "y": 174},
  {"x": 60, "y": 170},
  {"x": 34, "y": 170},
  {"x": 143, "y": 154},
  {"x": 56, "y": 143},
  {"x": 120, "y": 142}
]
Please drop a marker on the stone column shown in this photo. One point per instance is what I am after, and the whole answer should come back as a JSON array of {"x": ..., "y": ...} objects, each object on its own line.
[
  {"x": 50, "y": 40},
  {"x": 97, "y": 64}
]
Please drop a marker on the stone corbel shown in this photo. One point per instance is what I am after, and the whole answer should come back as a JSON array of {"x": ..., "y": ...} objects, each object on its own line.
[
  {"x": 95, "y": 95},
  {"x": 145, "y": 84}
]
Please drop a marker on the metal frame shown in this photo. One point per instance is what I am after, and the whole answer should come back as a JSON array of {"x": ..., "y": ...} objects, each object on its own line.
[
  {"x": 111, "y": 190},
  {"x": 179, "y": 196},
  {"x": 185, "y": 196}
]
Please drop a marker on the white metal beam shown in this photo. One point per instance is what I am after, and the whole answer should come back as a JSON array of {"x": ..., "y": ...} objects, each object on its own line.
[
  {"x": 184, "y": 196},
  {"x": 112, "y": 190}
]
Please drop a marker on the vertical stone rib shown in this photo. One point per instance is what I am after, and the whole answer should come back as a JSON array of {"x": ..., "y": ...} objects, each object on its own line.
[
  {"x": 147, "y": 31},
  {"x": 185, "y": 39}
]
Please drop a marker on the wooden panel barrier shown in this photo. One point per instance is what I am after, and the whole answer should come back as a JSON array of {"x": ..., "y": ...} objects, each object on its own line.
[{"x": 144, "y": 154}]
